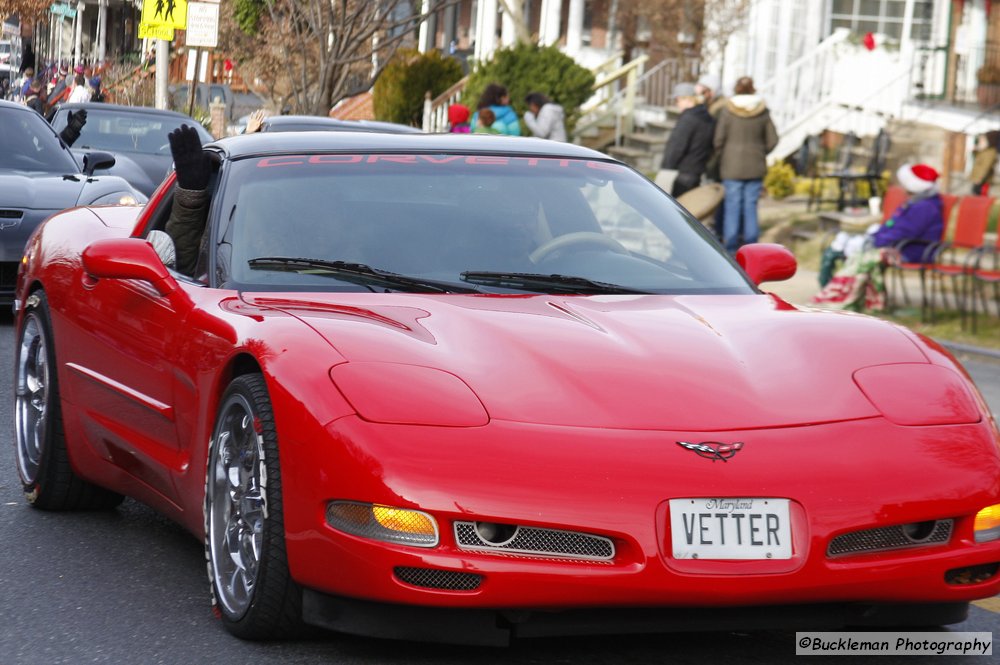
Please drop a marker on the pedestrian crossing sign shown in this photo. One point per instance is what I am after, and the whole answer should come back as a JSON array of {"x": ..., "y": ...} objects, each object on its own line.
[{"x": 166, "y": 13}]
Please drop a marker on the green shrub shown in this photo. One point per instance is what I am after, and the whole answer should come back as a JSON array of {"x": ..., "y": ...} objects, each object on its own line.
[
  {"x": 525, "y": 68},
  {"x": 780, "y": 180},
  {"x": 398, "y": 95}
]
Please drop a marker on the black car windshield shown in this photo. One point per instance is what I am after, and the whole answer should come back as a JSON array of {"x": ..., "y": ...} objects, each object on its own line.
[
  {"x": 28, "y": 144},
  {"x": 119, "y": 130},
  {"x": 498, "y": 224}
]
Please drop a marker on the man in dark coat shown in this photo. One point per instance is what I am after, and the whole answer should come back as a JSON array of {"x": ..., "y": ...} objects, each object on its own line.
[{"x": 690, "y": 142}]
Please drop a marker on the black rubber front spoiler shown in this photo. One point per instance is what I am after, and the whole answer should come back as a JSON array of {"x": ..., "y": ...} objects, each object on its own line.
[{"x": 499, "y": 627}]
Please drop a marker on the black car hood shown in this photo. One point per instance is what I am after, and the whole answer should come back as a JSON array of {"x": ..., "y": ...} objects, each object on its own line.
[
  {"x": 143, "y": 171},
  {"x": 33, "y": 191}
]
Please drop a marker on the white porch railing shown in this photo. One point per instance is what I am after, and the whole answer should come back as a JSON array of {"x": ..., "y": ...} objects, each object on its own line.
[{"x": 436, "y": 110}]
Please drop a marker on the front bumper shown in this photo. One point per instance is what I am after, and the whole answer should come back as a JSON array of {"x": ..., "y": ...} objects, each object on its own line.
[{"x": 840, "y": 478}]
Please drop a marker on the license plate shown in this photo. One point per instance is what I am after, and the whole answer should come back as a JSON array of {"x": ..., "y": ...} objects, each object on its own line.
[{"x": 730, "y": 528}]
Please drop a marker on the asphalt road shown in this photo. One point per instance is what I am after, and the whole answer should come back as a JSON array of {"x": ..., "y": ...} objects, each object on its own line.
[{"x": 130, "y": 587}]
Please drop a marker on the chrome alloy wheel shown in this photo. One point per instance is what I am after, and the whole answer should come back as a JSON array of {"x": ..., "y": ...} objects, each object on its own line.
[
  {"x": 237, "y": 505},
  {"x": 31, "y": 399}
]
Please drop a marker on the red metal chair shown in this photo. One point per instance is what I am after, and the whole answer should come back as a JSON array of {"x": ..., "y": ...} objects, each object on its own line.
[
  {"x": 897, "y": 271},
  {"x": 985, "y": 273},
  {"x": 954, "y": 258}
]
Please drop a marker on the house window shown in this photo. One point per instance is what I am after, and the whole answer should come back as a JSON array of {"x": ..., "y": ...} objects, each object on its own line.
[{"x": 881, "y": 16}]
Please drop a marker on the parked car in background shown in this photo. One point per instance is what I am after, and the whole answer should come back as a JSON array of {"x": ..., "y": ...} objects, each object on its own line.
[
  {"x": 470, "y": 388},
  {"x": 39, "y": 176},
  {"x": 237, "y": 103},
  {"x": 313, "y": 123},
  {"x": 136, "y": 135}
]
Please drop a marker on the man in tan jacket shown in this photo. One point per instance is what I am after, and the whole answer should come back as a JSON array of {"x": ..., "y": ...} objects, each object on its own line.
[{"x": 745, "y": 135}]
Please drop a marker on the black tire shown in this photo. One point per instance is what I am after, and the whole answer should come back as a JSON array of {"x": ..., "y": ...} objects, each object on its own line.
[
  {"x": 42, "y": 459},
  {"x": 244, "y": 521}
]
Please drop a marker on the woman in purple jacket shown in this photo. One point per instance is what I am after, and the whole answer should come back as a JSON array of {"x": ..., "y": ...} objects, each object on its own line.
[{"x": 905, "y": 236}]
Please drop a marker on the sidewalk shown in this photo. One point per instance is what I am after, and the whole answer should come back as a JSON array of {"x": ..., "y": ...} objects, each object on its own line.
[{"x": 804, "y": 284}]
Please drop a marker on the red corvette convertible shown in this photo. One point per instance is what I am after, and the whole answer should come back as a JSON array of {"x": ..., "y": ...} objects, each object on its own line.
[{"x": 470, "y": 388}]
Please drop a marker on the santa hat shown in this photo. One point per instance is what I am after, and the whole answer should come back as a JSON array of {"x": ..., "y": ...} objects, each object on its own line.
[{"x": 916, "y": 178}]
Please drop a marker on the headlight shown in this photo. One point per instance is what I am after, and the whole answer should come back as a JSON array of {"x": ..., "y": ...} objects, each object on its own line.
[
  {"x": 117, "y": 199},
  {"x": 408, "y": 395},
  {"x": 915, "y": 394}
]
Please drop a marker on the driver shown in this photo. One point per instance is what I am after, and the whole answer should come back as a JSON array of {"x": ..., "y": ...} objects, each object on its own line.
[{"x": 189, "y": 212}]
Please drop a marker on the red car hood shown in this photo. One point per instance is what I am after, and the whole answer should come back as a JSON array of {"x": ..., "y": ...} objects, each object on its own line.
[{"x": 646, "y": 362}]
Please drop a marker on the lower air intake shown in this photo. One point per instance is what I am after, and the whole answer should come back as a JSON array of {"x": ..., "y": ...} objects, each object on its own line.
[
  {"x": 883, "y": 539},
  {"x": 432, "y": 578},
  {"x": 534, "y": 541}
]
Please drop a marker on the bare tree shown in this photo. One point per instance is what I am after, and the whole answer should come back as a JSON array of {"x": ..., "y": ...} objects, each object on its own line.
[
  {"x": 723, "y": 18},
  {"x": 310, "y": 54},
  {"x": 28, "y": 11}
]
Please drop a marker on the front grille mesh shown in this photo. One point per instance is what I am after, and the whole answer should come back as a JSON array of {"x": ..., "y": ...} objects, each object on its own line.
[
  {"x": 887, "y": 538},
  {"x": 433, "y": 578},
  {"x": 533, "y": 540}
]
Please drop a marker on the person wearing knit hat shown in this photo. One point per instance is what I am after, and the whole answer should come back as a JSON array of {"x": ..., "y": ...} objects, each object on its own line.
[
  {"x": 709, "y": 88},
  {"x": 458, "y": 119},
  {"x": 903, "y": 237}
]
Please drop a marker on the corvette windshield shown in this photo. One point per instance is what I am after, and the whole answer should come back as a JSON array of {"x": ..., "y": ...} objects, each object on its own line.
[
  {"x": 496, "y": 224},
  {"x": 27, "y": 143}
]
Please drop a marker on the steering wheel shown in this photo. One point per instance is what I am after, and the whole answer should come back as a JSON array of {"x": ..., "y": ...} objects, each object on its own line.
[{"x": 580, "y": 238}]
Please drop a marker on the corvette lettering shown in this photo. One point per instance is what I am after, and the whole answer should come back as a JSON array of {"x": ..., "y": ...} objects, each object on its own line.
[
  {"x": 713, "y": 450},
  {"x": 472, "y": 160}
]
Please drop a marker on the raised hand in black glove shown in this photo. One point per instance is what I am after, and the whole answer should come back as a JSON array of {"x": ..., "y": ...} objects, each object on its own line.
[
  {"x": 190, "y": 161},
  {"x": 74, "y": 123}
]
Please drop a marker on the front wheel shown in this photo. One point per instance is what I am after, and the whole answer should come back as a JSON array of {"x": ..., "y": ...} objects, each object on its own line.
[
  {"x": 244, "y": 522},
  {"x": 42, "y": 458}
]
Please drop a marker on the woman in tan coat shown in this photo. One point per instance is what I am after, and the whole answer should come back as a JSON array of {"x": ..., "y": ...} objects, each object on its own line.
[
  {"x": 744, "y": 134},
  {"x": 985, "y": 162}
]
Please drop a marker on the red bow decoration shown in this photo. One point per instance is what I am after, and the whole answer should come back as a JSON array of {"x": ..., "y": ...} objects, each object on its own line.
[{"x": 869, "y": 41}]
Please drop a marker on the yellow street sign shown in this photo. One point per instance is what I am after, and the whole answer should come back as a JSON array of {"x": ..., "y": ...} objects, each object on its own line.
[
  {"x": 171, "y": 13},
  {"x": 164, "y": 32}
]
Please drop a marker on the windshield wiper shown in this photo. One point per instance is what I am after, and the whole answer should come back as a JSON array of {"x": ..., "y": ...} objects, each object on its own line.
[
  {"x": 358, "y": 273},
  {"x": 540, "y": 282}
]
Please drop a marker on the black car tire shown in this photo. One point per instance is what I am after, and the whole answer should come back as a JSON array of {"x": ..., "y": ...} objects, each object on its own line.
[
  {"x": 244, "y": 522},
  {"x": 43, "y": 462}
]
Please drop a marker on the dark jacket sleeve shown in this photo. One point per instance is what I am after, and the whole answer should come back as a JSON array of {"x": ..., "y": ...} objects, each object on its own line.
[
  {"x": 186, "y": 225},
  {"x": 680, "y": 138}
]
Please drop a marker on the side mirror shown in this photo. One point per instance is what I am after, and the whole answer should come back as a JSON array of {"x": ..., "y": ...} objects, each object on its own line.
[
  {"x": 767, "y": 262},
  {"x": 128, "y": 258},
  {"x": 92, "y": 161}
]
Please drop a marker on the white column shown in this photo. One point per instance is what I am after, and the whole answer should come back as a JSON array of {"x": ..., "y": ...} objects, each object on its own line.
[
  {"x": 905, "y": 40},
  {"x": 508, "y": 31},
  {"x": 102, "y": 30},
  {"x": 486, "y": 30},
  {"x": 574, "y": 27},
  {"x": 78, "y": 41},
  {"x": 548, "y": 31},
  {"x": 424, "y": 37}
]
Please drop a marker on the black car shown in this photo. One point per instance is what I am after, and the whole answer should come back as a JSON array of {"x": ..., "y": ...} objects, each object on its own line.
[
  {"x": 136, "y": 135},
  {"x": 39, "y": 176}
]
